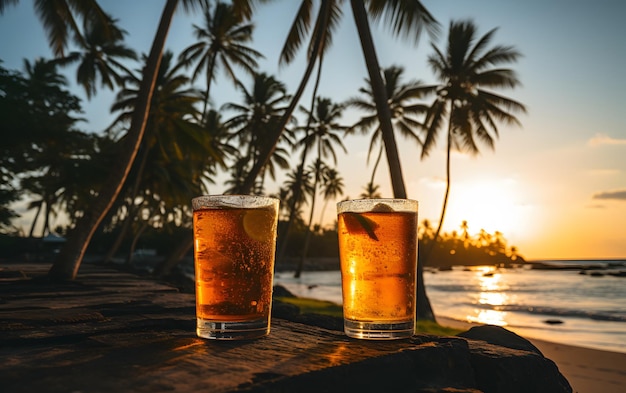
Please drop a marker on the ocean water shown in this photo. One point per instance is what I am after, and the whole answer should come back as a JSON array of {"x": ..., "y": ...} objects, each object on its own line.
[{"x": 580, "y": 303}]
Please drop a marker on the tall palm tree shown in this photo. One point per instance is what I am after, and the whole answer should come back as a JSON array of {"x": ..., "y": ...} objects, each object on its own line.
[
  {"x": 371, "y": 191},
  {"x": 291, "y": 184},
  {"x": 297, "y": 187},
  {"x": 300, "y": 175},
  {"x": 101, "y": 52},
  {"x": 326, "y": 22},
  {"x": 404, "y": 17},
  {"x": 254, "y": 118},
  {"x": 331, "y": 187},
  {"x": 42, "y": 76},
  {"x": 321, "y": 133},
  {"x": 407, "y": 18},
  {"x": 70, "y": 257},
  {"x": 404, "y": 104},
  {"x": 324, "y": 128},
  {"x": 221, "y": 44},
  {"x": 218, "y": 135},
  {"x": 61, "y": 20},
  {"x": 262, "y": 105},
  {"x": 467, "y": 71},
  {"x": 171, "y": 130},
  {"x": 51, "y": 142}
]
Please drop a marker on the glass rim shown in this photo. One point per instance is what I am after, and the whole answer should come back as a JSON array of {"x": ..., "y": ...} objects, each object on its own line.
[
  {"x": 233, "y": 200},
  {"x": 407, "y": 203}
]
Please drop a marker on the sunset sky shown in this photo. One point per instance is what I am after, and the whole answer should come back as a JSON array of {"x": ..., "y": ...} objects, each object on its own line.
[{"x": 555, "y": 187}]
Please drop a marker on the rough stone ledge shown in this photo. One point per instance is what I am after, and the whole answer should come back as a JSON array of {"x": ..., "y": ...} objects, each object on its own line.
[{"x": 112, "y": 331}]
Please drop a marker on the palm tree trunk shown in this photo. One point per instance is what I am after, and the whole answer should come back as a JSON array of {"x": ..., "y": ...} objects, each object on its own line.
[
  {"x": 133, "y": 244},
  {"x": 321, "y": 220},
  {"x": 300, "y": 173},
  {"x": 380, "y": 154},
  {"x": 71, "y": 256},
  {"x": 420, "y": 271},
  {"x": 445, "y": 197},
  {"x": 208, "y": 89},
  {"x": 31, "y": 233},
  {"x": 424, "y": 309},
  {"x": 118, "y": 240},
  {"x": 307, "y": 236},
  {"x": 131, "y": 207},
  {"x": 165, "y": 267},
  {"x": 46, "y": 218},
  {"x": 380, "y": 97},
  {"x": 293, "y": 206}
]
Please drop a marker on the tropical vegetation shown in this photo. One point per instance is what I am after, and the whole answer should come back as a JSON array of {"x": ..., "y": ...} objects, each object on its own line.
[{"x": 168, "y": 142}]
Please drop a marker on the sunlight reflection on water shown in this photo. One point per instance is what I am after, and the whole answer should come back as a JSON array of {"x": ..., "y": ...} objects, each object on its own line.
[
  {"x": 589, "y": 311},
  {"x": 492, "y": 295}
]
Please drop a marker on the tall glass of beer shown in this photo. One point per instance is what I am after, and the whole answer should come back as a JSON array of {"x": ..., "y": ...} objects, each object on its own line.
[
  {"x": 234, "y": 249},
  {"x": 378, "y": 256}
]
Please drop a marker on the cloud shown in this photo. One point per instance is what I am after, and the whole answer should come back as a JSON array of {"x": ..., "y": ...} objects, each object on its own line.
[
  {"x": 433, "y": 181},
  {"x": 603, "y": 172},
  {"x": 617, "y": 194},
  {"x": 603, "y": 139}
]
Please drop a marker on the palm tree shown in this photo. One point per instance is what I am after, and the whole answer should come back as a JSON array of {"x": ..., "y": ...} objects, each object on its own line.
[
  {"x": 464, "y": 99},
  {"x": 400, "y": 14},
  {"x": 296, "y": 189},
  {"x": 323, "y": 124},
  {"x": 320, "y": 133},
  {"x": 261, "y": 106},
  {"x": 404, "y": 17},
  {"x": 300, "y": 175},
  {"x": 52, "y": 142},
  {"x": 70, "y": 257},
  {"x": 60, "y": 20},
  {"x": 328, "y": 16},
  {"x": 218, "y": 135},
  {"x": 254, "y": 118},
  {"x": 221, "y": 43},
  {"x": 316, "y": 169},
  {"x": 291, "y": 185},
  {"x": 171, "y": 130},
  {"x": 403, "y": 105},
  {"x": 42, "y": 76},
  {"x": 100, "y": 53},
  {"x": 331, "y": 187},
  {"x": 371, "y": 191}
]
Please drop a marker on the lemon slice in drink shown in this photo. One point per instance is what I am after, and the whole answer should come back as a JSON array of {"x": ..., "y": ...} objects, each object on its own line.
[
  {"x": 258, "y": 223},
  {"x": 359, "y": 224}
]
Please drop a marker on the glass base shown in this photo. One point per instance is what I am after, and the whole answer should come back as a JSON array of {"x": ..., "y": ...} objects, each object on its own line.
[
  {"x": 240, "y": 330},
  {"x": 379, "y": 330}
]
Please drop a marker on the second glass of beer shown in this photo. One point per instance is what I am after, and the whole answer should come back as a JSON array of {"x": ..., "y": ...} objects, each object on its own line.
[
  {"x": 378, "y": 255},
  {"x": 234, "y": 250}
]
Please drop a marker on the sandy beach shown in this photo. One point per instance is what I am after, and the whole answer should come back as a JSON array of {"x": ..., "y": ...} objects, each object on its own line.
[{"x": 587, "y": 370}]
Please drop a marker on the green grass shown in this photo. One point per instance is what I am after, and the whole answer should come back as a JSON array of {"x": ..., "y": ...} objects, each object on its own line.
[
  {"x": 430, "y": 327},
  {"x": 324, "y": 307},
  {"x": 314, "y": 306}
]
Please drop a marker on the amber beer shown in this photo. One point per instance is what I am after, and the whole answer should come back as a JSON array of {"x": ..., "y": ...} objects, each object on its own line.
[
  {"x": 378, "y": 255},
  {"x": 234, "y": 249}
]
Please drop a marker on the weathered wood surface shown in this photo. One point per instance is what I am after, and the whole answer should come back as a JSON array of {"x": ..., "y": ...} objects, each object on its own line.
[{"x": 110, "y": 331}]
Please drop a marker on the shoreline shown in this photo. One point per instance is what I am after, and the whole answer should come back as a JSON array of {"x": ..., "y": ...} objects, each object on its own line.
[{"x": 587, "y": 370}]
